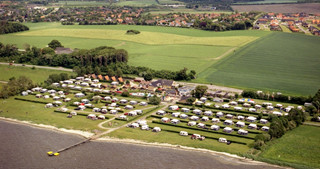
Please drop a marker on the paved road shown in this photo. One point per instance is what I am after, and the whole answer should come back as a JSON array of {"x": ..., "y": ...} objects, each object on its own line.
[{"x": 41, "y": 67}]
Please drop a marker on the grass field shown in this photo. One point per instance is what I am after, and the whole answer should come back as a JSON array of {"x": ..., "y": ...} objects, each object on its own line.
[
  {"x": 311, "y": 8},
  {"x": 38, "y": 114},
  {"x": 185, "y": 10},
  {"x": 300, "y": 146},
  {"x": 268, "y": 2},
  {"x": 268, "y": 61},
  {"x": 137, "y": 3},
  {"x": 79, "y": 3},
  {"x": 36, "y": 75},
  {"x": 279, "y": 62}
]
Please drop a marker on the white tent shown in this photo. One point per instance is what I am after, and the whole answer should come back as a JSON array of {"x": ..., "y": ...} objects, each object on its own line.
[
  {"x": 228, "y": 129},
  {"x": 208, "y": 113},
  {"x": 192, "y": 123},
  {"x": 185, "y": 110},
  {"x": 215, "y": 127},
  {"x": 240, "y": 124},
  {"x": 161, "y": 112},
  {"x": 252, "y": 126},
  {"x": 195, "y": 118},
  {"x": 228, "y": 122},
  {"x": 176, "y": 114},
  {"x": 215, "y": 120},
  {"x": 183, "y": 116}
]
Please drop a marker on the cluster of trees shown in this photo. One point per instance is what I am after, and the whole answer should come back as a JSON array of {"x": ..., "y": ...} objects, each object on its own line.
[
  {"x": 154, "y": 100},
  {"x": 131, "y": 31},
  {"x": 97, "y": 23},
  {"x": 276, "y": 97},
  {"x": 8, "y": 27},
  {"x": 224, "y": 24},
  {"x": 15, "y": 86},
  {"x": 53, "y": 78}
]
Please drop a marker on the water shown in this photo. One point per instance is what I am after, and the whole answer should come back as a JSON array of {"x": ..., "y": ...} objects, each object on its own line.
[{"x": 23, "y": 146}]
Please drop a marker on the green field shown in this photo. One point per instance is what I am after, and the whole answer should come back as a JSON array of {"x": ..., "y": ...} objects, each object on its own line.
[
  {"x": 300, "y": 146},
  {"x": 36, "y": 113},
  {"x": 79, "y": 3},
  {"x": 253, "y": 59},
  {"x": 268, "y": 2},
  {"x": 279, "y": 62},
  {"x": 185, "y": 10},
  {"x": 137, "y": 3},
  {"x": 36, "y": 75}
]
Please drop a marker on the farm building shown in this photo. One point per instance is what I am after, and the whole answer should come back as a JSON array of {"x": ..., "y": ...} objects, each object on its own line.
[{"x": 215, "y": 127}]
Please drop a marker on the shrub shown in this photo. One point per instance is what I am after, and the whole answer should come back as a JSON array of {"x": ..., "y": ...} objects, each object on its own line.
[{"x": 131, "y": 31}]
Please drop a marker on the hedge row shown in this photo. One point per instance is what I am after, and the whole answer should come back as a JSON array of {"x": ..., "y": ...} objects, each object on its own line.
[
  {"x": 209, "y": 131},
  {"x": 207, "y": 137},
  {"x": 185, "y": 121},
  {"x": 34, "y": 101},
  {"x": 78, "y": 113}
]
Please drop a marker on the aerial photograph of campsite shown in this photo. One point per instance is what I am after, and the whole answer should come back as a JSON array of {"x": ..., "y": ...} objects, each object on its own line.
[{"x": 179, "y": 84}]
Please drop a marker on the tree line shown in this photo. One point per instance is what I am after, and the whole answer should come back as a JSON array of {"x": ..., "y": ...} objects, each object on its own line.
[
  {"x": 9, "y": 27},
  {"x": 101, "y": 60}
]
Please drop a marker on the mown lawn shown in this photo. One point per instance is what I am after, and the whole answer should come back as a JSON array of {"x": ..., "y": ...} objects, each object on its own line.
[
  {"x": 300, "y": 146},
  {"x": 278, "y": 62},
  {"x": 37, "y": 113},
  {"x": 176, "y": 139},
  {"x": 36, "y": 75}
]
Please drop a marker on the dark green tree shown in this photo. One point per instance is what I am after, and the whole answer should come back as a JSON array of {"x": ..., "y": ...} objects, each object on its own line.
[
  {"x": 54, "y": 44},
  {"x": 199, "y": 91},
  {"x": 154, "y": 100}
]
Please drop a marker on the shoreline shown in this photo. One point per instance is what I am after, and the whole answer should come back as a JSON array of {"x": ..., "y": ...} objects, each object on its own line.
[{"x": 238, "y": 159}]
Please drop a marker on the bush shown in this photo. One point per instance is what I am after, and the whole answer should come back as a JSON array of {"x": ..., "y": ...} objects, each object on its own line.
[
  {"x": 154, "y": 100},
  {"x": 133, "y": 31},
  {"x": 125, "y": 94}
]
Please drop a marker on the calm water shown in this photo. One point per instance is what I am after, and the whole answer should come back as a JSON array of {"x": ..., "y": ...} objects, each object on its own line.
[{"x": 25, "y": 147}]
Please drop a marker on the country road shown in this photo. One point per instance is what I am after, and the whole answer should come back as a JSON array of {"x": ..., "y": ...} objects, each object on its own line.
[{"x": 41, "y": 67}]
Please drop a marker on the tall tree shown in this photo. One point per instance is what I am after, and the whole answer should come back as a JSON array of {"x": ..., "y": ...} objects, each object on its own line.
[{"x": 54, "y": 44}]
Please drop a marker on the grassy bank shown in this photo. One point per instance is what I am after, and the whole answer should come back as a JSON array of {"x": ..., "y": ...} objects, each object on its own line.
[{"x": 299, "y": 148}]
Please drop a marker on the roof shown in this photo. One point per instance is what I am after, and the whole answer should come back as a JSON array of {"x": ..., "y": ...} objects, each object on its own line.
[
  {"x": 120, "y": 79},
  {"x": 62, "y": 50},
  {"x": 113, "y": 78},
  {"x": 107, "y": 78},
  {"x": 162, "y": 82}
]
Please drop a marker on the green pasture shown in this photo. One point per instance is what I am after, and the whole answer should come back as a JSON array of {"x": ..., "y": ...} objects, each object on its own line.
[
  {"x": 37, "y": 113},
  {"x": 137, "y": 3},
  {"x": 185, "y": 10},
  {"x": 37, "y": 75},
  {"x": 267, "y": 2},
  {"x": 170, "y": 2},
  {"x": 282, "y": 62},
  {"x": 299, "y": 146},
  {"x": 176, "y": 139},
  {"x": 79, "y": 3}
]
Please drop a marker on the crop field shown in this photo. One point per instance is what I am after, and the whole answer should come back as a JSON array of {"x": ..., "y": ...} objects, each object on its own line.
[
  {"x": 170, "y": 2},
  {"x": 268, "y": 60},
  {"x": 280, "y": 8},
  {"x": 280, "y": 61},
  {"x": 300, "y": 146},
  {"x": 138, "y": 3},
  {"x": 268, "y": 2},
  {"x": 37, "y": 75}
]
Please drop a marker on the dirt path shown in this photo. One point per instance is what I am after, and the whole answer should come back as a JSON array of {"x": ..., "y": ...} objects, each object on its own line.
[
  {"x": 41, "y": 67},
  {"x": 225, "y": 54},
  {"x": 3, "y": 81},
  {"x": 120, "y": 44}
]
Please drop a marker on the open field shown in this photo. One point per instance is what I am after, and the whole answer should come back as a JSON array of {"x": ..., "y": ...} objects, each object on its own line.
[
  {"x": 137, "y": 3},
  {"x": 280, "y": 8},
  {"x": 215, "y": 56},
  {"x": 79, "y": 3},
  {"x": 37, "y": 75},
  {"x": 268, "y": 2},
  {"x": 278, "y": 62},
  {"x": 300, "y": 146},
  {"x": 36, "y": 113},
  {"x": 185, "y": 10}
]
